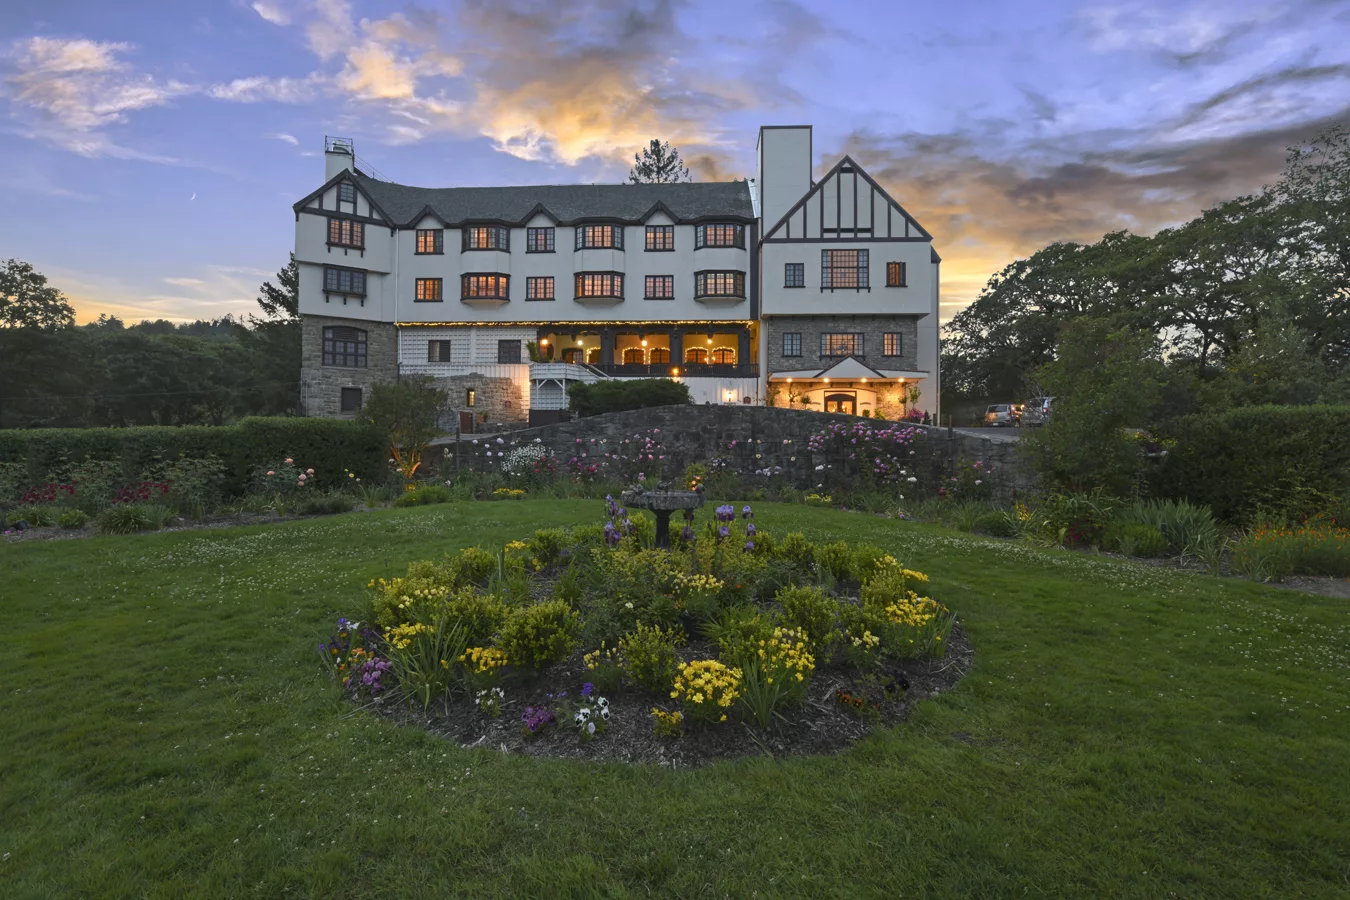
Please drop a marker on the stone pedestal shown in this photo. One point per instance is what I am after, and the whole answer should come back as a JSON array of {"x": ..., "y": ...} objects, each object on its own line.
[{"x": 662, "y": 503}]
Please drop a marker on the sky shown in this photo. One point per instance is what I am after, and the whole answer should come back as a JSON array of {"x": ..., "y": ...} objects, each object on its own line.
[{"x": 150, "y": 151}]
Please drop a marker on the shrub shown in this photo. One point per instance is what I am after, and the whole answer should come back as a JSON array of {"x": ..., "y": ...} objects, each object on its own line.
[
  {"x": 1073, "y": 519},
  {"x": 1185, "y": 526},
  {"x": 866, "y": 558},
  {"x": 481, "y": 615},
  {"x": 125, "y": 518},
  {"x": 158, "y": 515},
  {"x": 707, "y": 688},
  {"x": 649, "y": 656},
  {"x": 997, "y": 523},
  {"x": 1279, "y": 461},
  {"x": 796, "y": 549},
  {"x": 328, "y": 445},
  {"x": 323, "y": 503},
  {"x": 73, "y": 518},
  {"x": 604, "y": 667},
  {"x": 836, "y": 558},
  {"x": 423, "y": 495},
  {"x": 34, "y": 516},
  {"x": 811, "y": 611},
  {"x": 419, "y": 654},
  {"x": 1134, "y": 539},
  {"x": 615, "y": 395},
  {"x": 472, "y": 565},
  {"x": 536, "y": 636},
  {"x": 546, "y": 545}
]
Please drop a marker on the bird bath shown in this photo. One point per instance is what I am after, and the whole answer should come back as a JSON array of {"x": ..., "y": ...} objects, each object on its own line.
[{"x": 662, "y": 503}]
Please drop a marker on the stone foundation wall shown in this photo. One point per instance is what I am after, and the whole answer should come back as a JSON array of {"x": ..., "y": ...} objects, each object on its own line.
[
  {"x": 321, "y": 386},
  {"x": 502, "y": 400},
  {"x": 754, "y": 438},
  {"x": 871, "y": 327}
]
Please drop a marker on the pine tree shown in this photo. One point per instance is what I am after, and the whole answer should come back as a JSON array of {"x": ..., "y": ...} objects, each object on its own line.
[
  {"x": 658, "y": 163},
  {"x": 282, "y": 303}
]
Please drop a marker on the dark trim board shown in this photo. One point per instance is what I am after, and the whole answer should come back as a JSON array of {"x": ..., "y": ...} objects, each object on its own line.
[
  {"x": 844, "y": 166},
  {"x": 848, "y": 240}
]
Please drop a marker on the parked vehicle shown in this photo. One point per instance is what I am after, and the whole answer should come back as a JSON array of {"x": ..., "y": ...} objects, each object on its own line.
[
  {"x": 1037, "y": 411},
  {"x": 1000, "y": 415}
]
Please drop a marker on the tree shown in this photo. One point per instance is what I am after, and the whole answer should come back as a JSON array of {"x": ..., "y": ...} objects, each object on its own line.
[
  {"x": 409, "y": 412},
  {"x": 27, "y": 301},
  {"x": 282, "y": 304},
  {"x": 658, "y": 163},
  {"x": 1106, "y": 380}
]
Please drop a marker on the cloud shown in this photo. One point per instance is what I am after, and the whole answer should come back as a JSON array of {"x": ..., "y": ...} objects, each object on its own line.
[
  {"x": 258, "y": 88},
  {"x": 184, "y": 282},
  {"x": 285, "y": 138},
  {"x": 272, "y": 12},
  {"x": 68, "y": 91}
]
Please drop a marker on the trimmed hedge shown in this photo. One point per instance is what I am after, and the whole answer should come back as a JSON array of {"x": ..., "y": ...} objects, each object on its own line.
[
  {"x": 325, "y": 445},
  {"x": 619, "y": 394},
  {"x": 1287, "y": 461}
]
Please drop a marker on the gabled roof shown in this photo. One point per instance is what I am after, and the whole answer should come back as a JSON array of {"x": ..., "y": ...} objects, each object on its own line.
[
  {"x": 845, "y": 164},
  {"x": 404, "y": 206},
  {"x": 850, "y": 368}
]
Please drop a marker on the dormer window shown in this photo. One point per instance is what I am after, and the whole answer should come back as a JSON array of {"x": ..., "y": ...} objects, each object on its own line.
[
  {"x": 719, "y": 235},
  {"x": 487, "y": 237},
  {"x": 599, "y": 237},
  {"x": 346, "y": 233},
  {"x": 430, "y": 241}
]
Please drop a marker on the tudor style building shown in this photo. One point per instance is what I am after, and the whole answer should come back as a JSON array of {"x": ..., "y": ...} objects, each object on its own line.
[{"x": 507, "y": 295}]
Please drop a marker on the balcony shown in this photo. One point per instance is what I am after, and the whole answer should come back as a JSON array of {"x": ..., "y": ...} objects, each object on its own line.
[{"x": 681, "y": 370}]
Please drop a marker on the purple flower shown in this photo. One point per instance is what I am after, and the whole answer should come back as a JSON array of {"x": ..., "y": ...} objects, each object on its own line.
[
  {"x": 688, "y": 533},
  {"x": 586, "y": 689},
  {"x": 724, "y": 531},
  {"x": 750, "y": 530},
  {"x": 746, "y": 513},
  {"x": 749, "y": 545}
]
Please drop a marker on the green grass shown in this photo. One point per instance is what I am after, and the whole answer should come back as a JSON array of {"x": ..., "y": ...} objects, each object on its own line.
[{"x": 1126, "y": 732}]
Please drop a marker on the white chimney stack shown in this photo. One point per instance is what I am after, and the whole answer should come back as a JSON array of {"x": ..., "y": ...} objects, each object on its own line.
[
  {"x": 338, "y": 156},
  {"x": 782, "y": 170}
]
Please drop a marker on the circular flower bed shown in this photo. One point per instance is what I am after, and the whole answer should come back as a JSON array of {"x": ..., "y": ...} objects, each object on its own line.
[{"x": 590, "y": 642}]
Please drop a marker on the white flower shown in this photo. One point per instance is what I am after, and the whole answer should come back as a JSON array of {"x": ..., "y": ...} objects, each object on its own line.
[
  {"x": 628, "y": 605},
  {"x": 978, "y": 481},
  {"x": 590, "y": 727},
  {"x": 911, "y": 479},
  {"x": 500, "y": 441},
  {"x": 604, "y": 712},
  {"x": 820, "y": 468}
]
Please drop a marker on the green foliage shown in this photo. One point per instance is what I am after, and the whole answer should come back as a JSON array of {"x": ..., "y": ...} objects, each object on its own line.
[
  {"x": 539, "y": 635},
  {"x": 72, "y": 518},
  {"x": 480, "y": 615},
  {"x": 1134, "y": 539},
  {"x": 27, "y": 301},
  {"x": 1263, "y": 461},
  {"x": 124, "y": 518},
  {"x": 615, "y": 395},
  {"x": 33, "y": 516},
  {"x": 419, "y": 653},
  {"x": 406, "y": 412},
  {"x": 472, "y": 566},
  {"x": 1106, "y": 380},
  {"x": 158, "y": 515},
  {"x": 1075, "y": 519},
  {"x": 737, "y": 633},
  {"x": 996, "y": 522},
  {"x": 325, "y": 503},
  {"x": 836, "y": 559},
  {"x": 546, "y": 545},
  {"x": 650, "y": 658},
  {"x": 1270, "y": 553},
  {"x": 796, "y": 549},
  {"x": 1183, "y": 525},
  {"x": 658, "y": 163},
  {"x": 327, "y": 445},
  {"x": 423, "y": 495},
  {"x": 811, "y": 610}
]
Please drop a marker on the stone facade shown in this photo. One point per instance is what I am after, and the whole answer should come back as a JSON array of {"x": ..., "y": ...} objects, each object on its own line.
[
  {"x": 871, "y": 327},
  {"x": 754, "y": 439},
  {"x": 501, "y": 400},
  {"x": 321, "y": 386}
]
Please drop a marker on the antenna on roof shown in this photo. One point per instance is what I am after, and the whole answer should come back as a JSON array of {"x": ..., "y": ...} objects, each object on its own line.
[{"x": 344, "y": 146}]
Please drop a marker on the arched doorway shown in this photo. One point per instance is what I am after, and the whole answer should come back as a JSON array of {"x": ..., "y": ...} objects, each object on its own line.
[{"x": 846, "y": 403}]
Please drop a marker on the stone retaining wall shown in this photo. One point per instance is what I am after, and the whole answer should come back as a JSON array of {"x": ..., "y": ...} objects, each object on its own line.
[{"x": 750, "y": 439}]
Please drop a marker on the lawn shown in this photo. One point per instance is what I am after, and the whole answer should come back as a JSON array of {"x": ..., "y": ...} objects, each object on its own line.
[{"x": 1126, "y": 731}]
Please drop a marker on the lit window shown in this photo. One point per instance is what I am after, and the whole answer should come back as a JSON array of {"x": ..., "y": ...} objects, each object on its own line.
[
  {"x": 696, "y": 355},
  {"x": 794, "y": 275},
  {"x": 792, "y": 343},
  {"x": 429, "y": 290},
  {"x": 600, "y": 284},
  {"x": 895, "y": 274},
  {"x": 346, "y": 233},
  {"x": 430, "y": 240},
  {"x": 719, "y": 284},
  {"x": 344, "y": 281},
  {"x": 719, "y": 235},
  {"x": 539, "y": 287},
  {"x": 660, "y": 237},
  {"x": 344, "y": 346},
  {"x": 841, "y": 345},
  {"x": 599, "y": 237},
  {"x": 660, "y": 287},
  {"x": 538, "y": 240},
  {"x": 724, "y": 356},
  {"x": 490, "y": 287},
  {"x": 487, "y": 237},
  {"x": 658, "y": 356},
  {"x": 890, "y": 344},
  {"x": 843, "y": 269},
  {"x": 634, "y": 356}
]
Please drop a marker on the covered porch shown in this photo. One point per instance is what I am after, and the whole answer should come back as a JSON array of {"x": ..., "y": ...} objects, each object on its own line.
[
  {"x": 849, "y": 387},
  {"x": 639, "y": 350}
]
